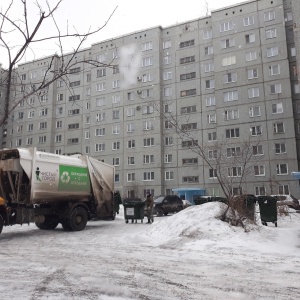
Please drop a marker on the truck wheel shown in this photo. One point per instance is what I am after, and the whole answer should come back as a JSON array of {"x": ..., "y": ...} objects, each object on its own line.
[
  {"x": 50, "y": 223},
  {"x": 78, "y": 219},
  {"x": 1, "y": 223},
  {"x": 66, "y": 225}
]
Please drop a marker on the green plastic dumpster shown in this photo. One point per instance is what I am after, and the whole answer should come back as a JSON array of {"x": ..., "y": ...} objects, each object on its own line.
[
  {"x": 133, "y": 209},
  {"x": 268, "y": 209}
]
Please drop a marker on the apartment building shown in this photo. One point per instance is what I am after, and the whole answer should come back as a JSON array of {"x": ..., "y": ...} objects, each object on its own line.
[{"x": 229, "y": 76}]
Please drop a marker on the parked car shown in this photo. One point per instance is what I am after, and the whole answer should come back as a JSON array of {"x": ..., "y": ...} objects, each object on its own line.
[
  {"x": 288, "y": 200},
  {"x": 186, "y": 203},
  {"x": 168, "y": 204}
]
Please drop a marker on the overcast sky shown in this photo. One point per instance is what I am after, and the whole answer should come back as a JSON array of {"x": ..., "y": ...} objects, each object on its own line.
[{"x": 130, "y": 16}]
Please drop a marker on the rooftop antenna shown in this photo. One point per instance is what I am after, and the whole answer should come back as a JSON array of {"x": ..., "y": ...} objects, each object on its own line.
[{"x": 206, "y": 4}]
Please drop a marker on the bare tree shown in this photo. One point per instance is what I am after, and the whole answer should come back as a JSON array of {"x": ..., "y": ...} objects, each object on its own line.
[
  {"x": 27, "y": 30},
  {"x": 232, "y": 165}
]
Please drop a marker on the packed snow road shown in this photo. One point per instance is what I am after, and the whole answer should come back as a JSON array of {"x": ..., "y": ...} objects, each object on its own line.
[{"x": 190, "y": 255}]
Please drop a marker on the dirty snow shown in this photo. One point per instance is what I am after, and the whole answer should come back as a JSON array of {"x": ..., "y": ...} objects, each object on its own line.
[{"x": 189, "y": 255}]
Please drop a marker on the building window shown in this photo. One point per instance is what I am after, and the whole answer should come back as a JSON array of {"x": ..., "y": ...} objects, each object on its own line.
[
  {"x": 148, "y": 109},
  {"x": 256, "y": 130},
  {"x": 250, "y": 38},
  {"x": 212, "y": 173},
  {"x": 169, "y": 175},
  {"x": 130, "y": 112},
  {"x": 274, "y": 70},
  {"x": 167, "y": 44},
  {"x": 187, "y": 76},
  {"x": 280, "y": 148},
  {"x": 101, "y": 57},
  {"x": 148, "y": 125},
  {"x": 207, "y": 33},
  {"x": 248, "y": 21},
  {"x": 58, "y": 124},
  {"x": 88, "y": 77},
  {"x": 43, "y": 125},
  {"x": 116, "y": 114},
  {"x": 167, "y": 75},
  {"x": 147, "y": 77},
  {"x": 131, "y": 144},
  {"x": 130, "y": 127},
  {"x": 277, "y": 108},
  {"x": 99, "y": 131},
  {"x": 211, "y": 118},
  {"x": 100, "y": 87},
  {"x": 232, "y": 133},
  {"x": 147, "y": 61},
  {"x": 189, "y": 161},
  {"x": 226, "y": 26},
  {"x": 18, "y": 142},
  {"x": 187, "y": 44},
  {"x": 210, "y": 84},
  {"x": 227, "y": 43},
  {"x": 117, "y": 178},
  {"x": 42, "y": 139},
  {"x": 208, "y": 67},
  {"x": 278, "y": 128},
  {"x": 99, "y": 147},
  {"x": 116, "y": 145},
  {"x": 30, "y": 114},
  {"x": 116, "y": 161},
  {"x": 169, "y": 141},
  {"x": 212, "y": 136},
  {"x": 210, "y": 101},
  {"x": 208, "y": 50},
  {"x": 73, "y": 112},
  {"x": 230, "y": 96},
  {"x": 254, "y": 111},
  {"x": 190, "y": 179},
  {"x": 282, "y": 169},
  {"x": 228, "y": 61},
  {"x": 259, "y": 170},
  {"x": 130, "y": 160},
  {"x": 74, "y": 98},
  {"x": 147, "y": 46},
  {"x": 58, "y": 138},
  {"x": 168, "y": 91},
  {"x": 100, "y": 101},
  {"x": 273, "y": 51},
  {"x": 235, "y": 172},
  {"x": 212, "y": 154},
  {"x": 30, "y": 127},
  {"x": 229, "y": 77},
  {"x": 168, "y": 158},
  {"x": 148, "y": 176},
  {"x": 189, "y": 126},
  {"x": 260, "y": 190},
  {"x": 116, "y": 84},
  {"x": 43, "y": 112},
  {"x": 116, "y": 99},
  {"x": 116, "y": 69},
  {"x": 116, "y": 129},
  {"x": 253, "y": 92},
  {"x": 100, "y": 117},
  {"x": 148, "y": 142},
  {"x": 130, "y": 177},
  {"x": 186, "y": 60},
  {"x": 233, "y": 152},
  {"x": 167, "y": 59},
  {"x": 188, "y": 144},
  {"x": 130, "y": 96},
  {"x": 188, "y": 109},
  {"x": 147, "y": 93},
  {"x": 275, "y": 88},
  {"x": 252, "y": 73},
  {"x": 283, "y": 189},
  {"x": 148, "y": 159},
  {"x": 74, "y": 83},
  {"x": 257, "y": 150},
  {"x": 29, "y": 141},
  {"x": 87, "y": 135},
  {"x": 231, "y": 114},
  {"x": 269, "y": 16},
  {"x": 188, "y": 93},
  {"x": 251, "y": 55},
  {"x": 271, "y": 33}
]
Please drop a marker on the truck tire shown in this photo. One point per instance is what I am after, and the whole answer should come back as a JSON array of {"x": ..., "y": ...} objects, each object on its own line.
[
  {"x": 66, "y": 225},
  {"x": 1, "y": 223},
  {"x": 78, "y": 219},
  {"x": 50, "y": 223}
]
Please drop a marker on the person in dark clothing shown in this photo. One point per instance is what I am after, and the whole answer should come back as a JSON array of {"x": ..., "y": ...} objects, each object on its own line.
[
  {"x": 117, "y": 202},
  {"x": 149, "y": 205}
]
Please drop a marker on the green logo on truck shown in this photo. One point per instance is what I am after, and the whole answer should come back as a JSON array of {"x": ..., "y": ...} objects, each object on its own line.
[{"x": 73, "y": 179}]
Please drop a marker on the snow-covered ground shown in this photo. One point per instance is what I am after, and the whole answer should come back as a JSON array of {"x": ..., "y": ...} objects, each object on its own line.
[{"x": 189, "y": 255}]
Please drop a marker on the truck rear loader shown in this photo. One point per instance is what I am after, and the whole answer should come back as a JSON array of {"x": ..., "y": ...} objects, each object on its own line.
[{"x": 49, "y": 189}]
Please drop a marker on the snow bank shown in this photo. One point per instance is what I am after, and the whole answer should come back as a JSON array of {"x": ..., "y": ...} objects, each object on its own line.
[{"x": 198, "y": 227}]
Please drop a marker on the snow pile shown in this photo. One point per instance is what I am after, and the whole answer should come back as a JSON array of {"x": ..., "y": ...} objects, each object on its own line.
[{"x": 198, "y": 227}]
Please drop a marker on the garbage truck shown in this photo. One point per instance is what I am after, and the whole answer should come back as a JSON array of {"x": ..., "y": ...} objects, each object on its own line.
[{"x": 49, "y": 189}]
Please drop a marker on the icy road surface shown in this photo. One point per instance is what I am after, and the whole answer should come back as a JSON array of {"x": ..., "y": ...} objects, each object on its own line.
[{"x": 189, "y": 255}]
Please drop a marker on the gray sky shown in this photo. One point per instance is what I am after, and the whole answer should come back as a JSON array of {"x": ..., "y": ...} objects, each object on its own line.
[{"x": 130, "y": 16}]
